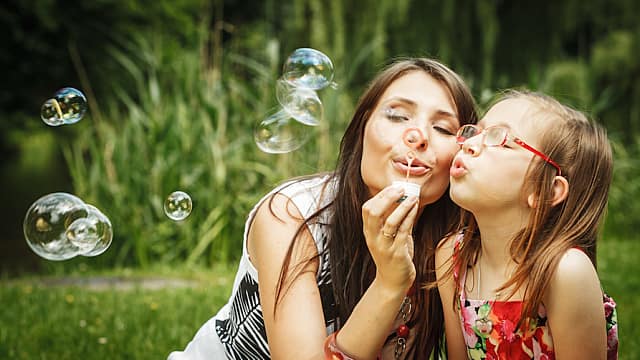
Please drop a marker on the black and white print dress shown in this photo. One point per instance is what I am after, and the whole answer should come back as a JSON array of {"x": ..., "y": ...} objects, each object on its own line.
[{"x": 237, "y": 331}]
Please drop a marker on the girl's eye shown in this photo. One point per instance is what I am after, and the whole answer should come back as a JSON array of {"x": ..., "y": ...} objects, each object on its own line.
[{"x": 509, "y": 144}]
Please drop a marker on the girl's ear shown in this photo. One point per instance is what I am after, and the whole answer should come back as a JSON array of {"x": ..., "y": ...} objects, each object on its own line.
[
  {"x": 560, "y": 190},
  {"x": 560, "y": 193}
]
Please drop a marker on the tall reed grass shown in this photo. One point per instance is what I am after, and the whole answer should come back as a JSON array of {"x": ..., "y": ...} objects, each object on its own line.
[{"x": 188, "y": 125}]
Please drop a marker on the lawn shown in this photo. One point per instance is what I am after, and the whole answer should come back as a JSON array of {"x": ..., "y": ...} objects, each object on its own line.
[
  {"x": 44, "y": 321},
  {"x": 76, "y": 322}
]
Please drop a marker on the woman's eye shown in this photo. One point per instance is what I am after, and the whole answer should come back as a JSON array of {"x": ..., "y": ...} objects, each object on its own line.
[
  {"x": 444, "y": 130},
  {"x": 395, "y": 115}
]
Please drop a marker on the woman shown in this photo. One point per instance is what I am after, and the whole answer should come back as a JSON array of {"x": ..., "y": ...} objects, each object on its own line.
[{"x": 335, "y": 251}]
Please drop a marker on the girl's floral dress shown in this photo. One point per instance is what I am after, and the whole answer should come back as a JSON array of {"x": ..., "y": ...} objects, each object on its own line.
[{"x": 489, "y": 328}]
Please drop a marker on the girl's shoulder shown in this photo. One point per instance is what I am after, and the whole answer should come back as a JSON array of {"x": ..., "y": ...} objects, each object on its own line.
[
  {"x": 448, "y": 248},
  {"x": 574, "y": 265},
  {"x": 574, "y": 280}
]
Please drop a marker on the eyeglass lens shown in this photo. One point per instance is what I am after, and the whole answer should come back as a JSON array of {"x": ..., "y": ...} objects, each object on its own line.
[{"x": 495, "y": 136}]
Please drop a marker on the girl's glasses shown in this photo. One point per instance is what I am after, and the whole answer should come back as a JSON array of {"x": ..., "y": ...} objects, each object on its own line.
[{"x": 498, "y": 136}]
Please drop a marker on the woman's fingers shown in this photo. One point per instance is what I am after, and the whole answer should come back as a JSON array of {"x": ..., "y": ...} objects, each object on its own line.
[
  {"x": 400, "y": 221},
  {"x": 405, "y": 230},
  {"x": 376, "y": 209}
]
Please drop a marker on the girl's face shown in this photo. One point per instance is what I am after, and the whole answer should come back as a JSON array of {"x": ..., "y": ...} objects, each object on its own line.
[
  {"x": 417, "y": 102},
  {"x": 493, "y": 177}
]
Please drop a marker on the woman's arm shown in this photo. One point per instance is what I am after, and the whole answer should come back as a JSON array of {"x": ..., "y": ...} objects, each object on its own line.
[
  {"x": 456, "y": 348},
  {"x": 297, "y": 329},
  {"x": 574, "y": 309},
  {"x": 372, "y": 319}
]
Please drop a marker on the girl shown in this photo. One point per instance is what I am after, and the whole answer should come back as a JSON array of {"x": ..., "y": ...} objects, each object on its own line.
[
  {"x": 520, "y": 281},
  {"x": 335, "y": 251}
]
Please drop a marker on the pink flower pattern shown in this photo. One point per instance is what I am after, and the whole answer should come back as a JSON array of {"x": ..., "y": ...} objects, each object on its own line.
[{"x": 504, "y": 341}]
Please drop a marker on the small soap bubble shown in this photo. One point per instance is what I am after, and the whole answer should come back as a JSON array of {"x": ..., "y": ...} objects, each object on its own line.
[
  {"x": 83, "y": 234},
  {"x": 308, "y": 68},
  {"x": 280, "y": 133},
  {"x": 178, "y": 205},
  {"x": 67, "y": 106},
  {"x": 46, "y": 222},
  {"x": 302, "y": 104},
  {"x": 103, "y": 230},
  {"x": 51, "y": 113}
]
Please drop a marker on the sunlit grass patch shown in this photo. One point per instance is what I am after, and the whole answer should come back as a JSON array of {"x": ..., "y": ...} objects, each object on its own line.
[{"x": 41, "y": 321}]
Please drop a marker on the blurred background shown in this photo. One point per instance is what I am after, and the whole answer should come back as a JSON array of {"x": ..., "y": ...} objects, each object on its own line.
[{"x": 174, "y": 89}]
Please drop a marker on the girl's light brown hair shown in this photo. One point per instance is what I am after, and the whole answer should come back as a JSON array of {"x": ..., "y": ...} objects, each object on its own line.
[{"x": 581, "y": 148}]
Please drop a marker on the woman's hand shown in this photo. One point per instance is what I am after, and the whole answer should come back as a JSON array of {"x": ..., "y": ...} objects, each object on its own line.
[{"x": 387, "y": 226}]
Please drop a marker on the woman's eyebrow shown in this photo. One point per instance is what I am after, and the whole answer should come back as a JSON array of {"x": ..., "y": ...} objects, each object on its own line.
[
  {"x": 403, "y": 100},
  {"x": 413, "y": 104},
  {"x": 446, "y": 113}
]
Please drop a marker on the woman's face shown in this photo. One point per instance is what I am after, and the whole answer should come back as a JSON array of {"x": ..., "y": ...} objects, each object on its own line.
[{"x": 413, "y": 104}]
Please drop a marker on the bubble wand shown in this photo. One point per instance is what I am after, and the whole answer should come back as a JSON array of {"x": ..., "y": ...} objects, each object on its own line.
[{"x": 413, "y": 138}]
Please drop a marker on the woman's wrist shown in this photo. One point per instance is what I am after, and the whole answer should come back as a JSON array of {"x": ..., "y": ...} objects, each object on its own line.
[
  {"x": 391, "y": 293},
  {"x": 332, "y": 351}
]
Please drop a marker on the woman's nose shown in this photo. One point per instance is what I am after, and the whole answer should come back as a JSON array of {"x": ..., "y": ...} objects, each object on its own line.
[{"x": 415, "y": 139}]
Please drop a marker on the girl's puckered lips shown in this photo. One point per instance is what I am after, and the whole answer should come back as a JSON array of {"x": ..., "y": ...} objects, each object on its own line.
[{"x": 457, "y": 168}]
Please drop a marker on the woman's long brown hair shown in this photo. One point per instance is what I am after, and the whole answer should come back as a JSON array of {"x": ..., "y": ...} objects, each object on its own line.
[
  {"x": 352, "y": 268},
  {"x": 582, "y": 150}
]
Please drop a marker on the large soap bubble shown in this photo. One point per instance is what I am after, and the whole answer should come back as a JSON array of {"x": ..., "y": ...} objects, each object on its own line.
[
  {"x": 46, "y": 222},
  {"x": 60, "y": 226},
  {"x": 280, "y": 133},
  {"x": 308, "y": 68}
]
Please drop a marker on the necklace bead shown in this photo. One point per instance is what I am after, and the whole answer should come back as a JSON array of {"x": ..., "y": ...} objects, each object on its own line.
[{"x": 402, "y": 331}]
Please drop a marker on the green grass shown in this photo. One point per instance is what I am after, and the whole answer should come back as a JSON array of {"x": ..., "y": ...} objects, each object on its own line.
[
  {"x": 39, "y": 321},
  {"x": 58, "y": 322}
]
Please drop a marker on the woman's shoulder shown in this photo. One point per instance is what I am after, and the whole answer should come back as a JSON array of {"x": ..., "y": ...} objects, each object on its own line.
[
  {"x": 306, "y": 185},
  {"x": 309, "y": 193}
]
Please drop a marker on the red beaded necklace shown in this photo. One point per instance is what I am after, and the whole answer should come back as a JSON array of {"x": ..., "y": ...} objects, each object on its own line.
[{"x": 402, "y": 332}]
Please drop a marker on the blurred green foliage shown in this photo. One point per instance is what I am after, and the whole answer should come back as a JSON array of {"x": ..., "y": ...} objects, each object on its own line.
[{"x": 174, "y": 89}]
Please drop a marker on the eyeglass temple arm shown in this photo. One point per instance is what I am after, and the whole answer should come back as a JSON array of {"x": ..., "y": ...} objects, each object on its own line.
[{"x": 543, "y": 156}]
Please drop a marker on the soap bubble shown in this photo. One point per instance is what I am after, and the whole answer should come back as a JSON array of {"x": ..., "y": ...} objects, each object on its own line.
[
  {"x": 308, "y": 68},
  {"x": 98, "y": 232},
  {"x": 302, "y": 104},
  {"x": 104, "y": 231},
  {"x": 67, "y": 106},
  {"x": 46, "y": 223},
  {"x": 280, "y": 133},
  {"x": 51, "y": 113},
  {"x": 178, "y": 205},
  {"x": 83, "y": 233}
]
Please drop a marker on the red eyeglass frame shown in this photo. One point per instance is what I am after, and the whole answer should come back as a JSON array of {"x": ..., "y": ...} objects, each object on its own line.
[{"x": 460, "y": 140}]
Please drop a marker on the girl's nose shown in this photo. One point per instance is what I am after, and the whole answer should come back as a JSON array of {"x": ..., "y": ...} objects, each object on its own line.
[{"x": 472, "y": 145}]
